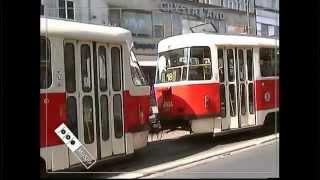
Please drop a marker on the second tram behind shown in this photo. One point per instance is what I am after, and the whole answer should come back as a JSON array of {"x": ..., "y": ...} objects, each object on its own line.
[{"x": 209, "y": 83}]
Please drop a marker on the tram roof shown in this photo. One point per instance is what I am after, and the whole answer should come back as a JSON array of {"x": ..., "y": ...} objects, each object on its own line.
[
  {"x": 205, "y": 39},
  {"x": 85, "y": 32}
]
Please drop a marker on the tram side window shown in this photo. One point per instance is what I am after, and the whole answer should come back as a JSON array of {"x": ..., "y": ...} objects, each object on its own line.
[
  {"x": 69, "y": 66},
  {"x": 86, "y": 67},
  {"x": 88, "y": 119},
  {"x": 102, "y": 54},
  {"x": 269, "y": 62},
  {"x": 116, "y": 68},
  {"x": 221, "y": 65},
  {"x": 200, "y": 63},
  {"x": 230, "y": 61},
  {"x": 137, "y": 76},
  {"x": 45, "y": 63}
]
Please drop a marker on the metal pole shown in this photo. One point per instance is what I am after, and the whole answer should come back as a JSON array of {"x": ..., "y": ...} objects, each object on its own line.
[{"x": 248, "y": 28}]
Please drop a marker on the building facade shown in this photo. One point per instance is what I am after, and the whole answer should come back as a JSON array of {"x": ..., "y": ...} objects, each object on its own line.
[
  {"x": 267, "y": 17},
  {"x": 153, "y": 20}
]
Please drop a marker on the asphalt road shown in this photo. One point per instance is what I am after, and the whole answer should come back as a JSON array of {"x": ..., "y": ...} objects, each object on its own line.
[{"x": 257, "y": 162}]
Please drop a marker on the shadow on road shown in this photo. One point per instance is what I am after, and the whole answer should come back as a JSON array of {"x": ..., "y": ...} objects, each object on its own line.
[{"x": 167, "y": 150}]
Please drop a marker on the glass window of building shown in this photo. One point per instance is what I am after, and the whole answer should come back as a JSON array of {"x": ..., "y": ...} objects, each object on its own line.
[
  {"x": 66, "y": 9},
  {"x": 161, "y": 24},
  {"x": 138, "y": 22},
  {"x": 114, "y": 16},
  {"x": 176, "y": 24}
]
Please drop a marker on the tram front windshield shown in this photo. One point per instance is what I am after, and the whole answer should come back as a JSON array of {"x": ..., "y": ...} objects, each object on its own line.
[{"x": 191, "y": 63}]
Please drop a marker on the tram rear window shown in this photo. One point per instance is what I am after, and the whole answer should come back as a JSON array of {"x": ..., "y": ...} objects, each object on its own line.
[
  {"x": 184, "y": 64},
  {"x": 269, "y": 62},
  {"x": 45, "y": 63}
]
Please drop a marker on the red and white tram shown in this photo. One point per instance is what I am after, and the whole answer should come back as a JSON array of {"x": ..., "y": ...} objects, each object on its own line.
[
  {"x": 91, "y": 81},
  {"x": 210, "y": 83}
]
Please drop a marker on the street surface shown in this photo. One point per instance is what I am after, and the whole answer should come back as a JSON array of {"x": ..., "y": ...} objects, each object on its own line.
[
  {"x": 177, "y": 145},
  {"x": 261, "y": 161}
]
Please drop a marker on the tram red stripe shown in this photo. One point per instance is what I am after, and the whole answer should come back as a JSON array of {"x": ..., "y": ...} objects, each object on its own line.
[
  {"x": 52, "y": 114},
  {"x": 189, "y": 99},
  {"x": 131, "y": 115},
  {"x": 263, "y": 88}
]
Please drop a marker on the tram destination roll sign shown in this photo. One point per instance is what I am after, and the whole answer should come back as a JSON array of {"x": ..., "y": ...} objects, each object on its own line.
[{"x": 186, "y": 9}]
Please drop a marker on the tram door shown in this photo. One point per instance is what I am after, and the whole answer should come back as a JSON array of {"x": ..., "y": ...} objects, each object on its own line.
[
  {"x": 89, "y": 111},
  {"x": 236, "y": 87},
  {"x": 245, "y": 90}
]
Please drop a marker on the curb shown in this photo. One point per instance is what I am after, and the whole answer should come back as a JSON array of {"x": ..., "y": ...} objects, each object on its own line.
[{"x": 196, "y": 158}]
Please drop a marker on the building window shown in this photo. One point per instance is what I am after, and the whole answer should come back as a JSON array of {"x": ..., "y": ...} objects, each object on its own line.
[
  {"x": 161, "y": 19},
  {"x": 158, "y": 31},
  {"x": 139, "y": 23},
  {"x": 258, "y": 29},
  {"x": 114, "y": 17},
  {"x": 271, "y": 31},
  {"x": 66, "y": 9},
  {"x": 264, "y": 30},
  {"x": 45, "y": 63}
]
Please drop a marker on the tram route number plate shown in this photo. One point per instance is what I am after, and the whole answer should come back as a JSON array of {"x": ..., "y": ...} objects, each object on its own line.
[{"x": 75, "y": 145}]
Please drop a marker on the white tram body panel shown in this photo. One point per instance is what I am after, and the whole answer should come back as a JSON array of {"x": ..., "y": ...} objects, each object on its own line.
[{"x": 90, "y": 81}]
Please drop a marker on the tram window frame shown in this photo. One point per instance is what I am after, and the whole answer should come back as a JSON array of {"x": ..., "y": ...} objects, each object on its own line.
[
  {"x": 45, "y": 63},
  {"x": 85, "y": 70},
  {"x": 116, "y": 68},
  {"x": 269, "y": 62},
  {"x": 231, "y": 78},
  {"x": 179, "y": 69},
  {"x": 118, "y": 118},
  {"x": 169, "y": 73},
  {"x": 137, "y": 76},
  {"x": 200, "y": 63},
  {"x": 104, "y": 114},
  {"x": 221, "y": 64},
  {"x": 69, "y": 80},
  {"x": 72, "y": 115},
  {"x": 88, "y": 132},
  {"x": 102, "y": 57}
]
